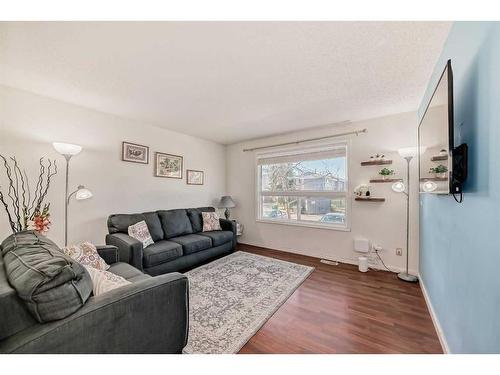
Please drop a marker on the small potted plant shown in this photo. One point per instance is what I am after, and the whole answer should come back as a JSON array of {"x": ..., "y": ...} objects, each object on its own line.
[
  {"x": 386, "y": 173},
  {"x": 439, "y": 171},
  {"x": 362, "y": 190}
]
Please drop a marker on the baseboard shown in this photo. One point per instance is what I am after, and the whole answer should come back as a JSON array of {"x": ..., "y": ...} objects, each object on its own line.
[
  {"x": 435, "y": 321},
  {"x": 352, "y": 261}
]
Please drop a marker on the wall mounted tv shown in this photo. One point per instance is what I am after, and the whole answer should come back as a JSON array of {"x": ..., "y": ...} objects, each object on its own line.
[{"x": 442, "y": 166}]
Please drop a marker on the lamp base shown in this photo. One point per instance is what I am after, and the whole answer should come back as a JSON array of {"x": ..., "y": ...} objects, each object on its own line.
[
  {"x": 227, "y": 214},
  {"x": 407, "y": 277}
]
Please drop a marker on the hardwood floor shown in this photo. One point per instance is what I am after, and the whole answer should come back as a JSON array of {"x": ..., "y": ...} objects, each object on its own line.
[{"x": 341, "y": 310}]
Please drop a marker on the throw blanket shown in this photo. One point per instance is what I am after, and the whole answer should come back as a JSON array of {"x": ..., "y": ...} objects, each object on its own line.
[{"x": 51, "y": 284}]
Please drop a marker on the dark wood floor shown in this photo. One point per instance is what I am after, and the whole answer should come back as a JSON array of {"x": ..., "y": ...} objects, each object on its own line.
[{"x": 341, "y": 310}]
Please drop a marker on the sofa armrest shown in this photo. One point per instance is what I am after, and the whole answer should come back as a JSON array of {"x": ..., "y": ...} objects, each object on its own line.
[
  {"x": 229, "y": 225},
  {"x": 109, "y": 253},
  {"x": 129, "y": 249},
  {"x": 150, "y": 316}
]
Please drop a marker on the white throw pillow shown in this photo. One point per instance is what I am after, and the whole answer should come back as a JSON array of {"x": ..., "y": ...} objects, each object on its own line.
[
  {"x": 104, "y": 281},
  {"x": 86, "y": 254},
  {"x": 210, "y": 221},
  {"x": 141, "y": 233}
]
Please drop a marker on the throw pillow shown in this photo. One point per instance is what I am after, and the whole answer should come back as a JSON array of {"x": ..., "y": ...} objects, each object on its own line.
[
  {"x": 210, "y": 221},
  {"x": 104, "y": 281},
  {"x": 86, "y": 254},
  {"x": 141, "y": 233}
]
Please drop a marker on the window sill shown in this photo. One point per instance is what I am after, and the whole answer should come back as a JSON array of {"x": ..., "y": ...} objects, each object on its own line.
[{"x": 305, "y": 224}]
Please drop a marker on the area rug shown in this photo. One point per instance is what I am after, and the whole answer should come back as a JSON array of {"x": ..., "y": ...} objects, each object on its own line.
[{"x": 232, "y": 297}]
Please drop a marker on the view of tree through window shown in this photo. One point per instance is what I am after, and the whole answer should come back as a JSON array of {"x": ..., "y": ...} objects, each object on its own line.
[{"x": 304, "y": 189}]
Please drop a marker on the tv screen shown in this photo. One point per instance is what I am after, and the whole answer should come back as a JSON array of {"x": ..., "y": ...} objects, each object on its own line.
[{"x": 435, "y": 138}]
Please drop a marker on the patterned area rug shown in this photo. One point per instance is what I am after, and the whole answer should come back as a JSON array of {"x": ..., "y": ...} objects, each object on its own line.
[{"x": 232, "y": 297}]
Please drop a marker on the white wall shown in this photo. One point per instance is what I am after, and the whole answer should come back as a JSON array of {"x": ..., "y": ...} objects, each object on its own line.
[
  {"x": 382, "y": 223},
  {"x": 28, "y": 125}
]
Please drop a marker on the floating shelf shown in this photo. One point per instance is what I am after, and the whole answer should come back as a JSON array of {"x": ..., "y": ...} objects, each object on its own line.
[
  {"x": 387, "y": 180},
  {"x": 434, "y": 179},
  {"x": 376, "y": 162},
  {"x": 369, "y": 199},
  {"x": 439, "y": 158}
]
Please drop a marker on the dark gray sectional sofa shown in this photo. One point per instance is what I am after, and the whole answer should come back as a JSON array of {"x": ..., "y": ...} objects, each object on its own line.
[
  {"x": 179, "y": 242},
  {"x": 46, "y": 304}
]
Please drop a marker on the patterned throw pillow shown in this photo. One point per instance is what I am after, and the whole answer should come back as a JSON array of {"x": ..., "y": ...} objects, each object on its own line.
[
  {"x": 141, "y": 233},
  {"x": 86, "y": 254},
  {"x": 104, "y": 281},
  {"x": 210, "y": 221}
]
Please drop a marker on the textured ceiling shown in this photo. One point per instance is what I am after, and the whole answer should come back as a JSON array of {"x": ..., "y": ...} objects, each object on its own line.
[{"x": 226, "y": 81}]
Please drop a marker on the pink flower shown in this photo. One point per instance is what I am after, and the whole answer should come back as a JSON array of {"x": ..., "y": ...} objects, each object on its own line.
[{"x": 40, "y": 223}]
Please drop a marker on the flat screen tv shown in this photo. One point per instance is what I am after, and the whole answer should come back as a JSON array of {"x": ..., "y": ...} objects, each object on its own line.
[{"x": 442, "y": 166}]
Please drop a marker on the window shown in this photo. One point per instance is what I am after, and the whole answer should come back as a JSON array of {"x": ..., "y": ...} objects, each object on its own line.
[{"x": 304, "y": 187}]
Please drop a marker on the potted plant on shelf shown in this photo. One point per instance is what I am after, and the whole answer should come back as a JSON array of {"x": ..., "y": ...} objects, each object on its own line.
[
  {"x": 439, "y": 171},
  {"x": 386, "y": 173}
]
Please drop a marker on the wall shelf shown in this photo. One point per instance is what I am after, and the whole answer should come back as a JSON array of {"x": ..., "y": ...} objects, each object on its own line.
[
  {"x": 376, "y": 162},
  {"x": 369, "y": 199},
  {"x": 434, "y": 179},
  {"x": 387, "y": 180},
  {"x": 439, "y": 158}
]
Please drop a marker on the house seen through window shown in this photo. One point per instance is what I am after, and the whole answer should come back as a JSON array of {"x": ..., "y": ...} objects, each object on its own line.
[{"x": 307, "y": 186}]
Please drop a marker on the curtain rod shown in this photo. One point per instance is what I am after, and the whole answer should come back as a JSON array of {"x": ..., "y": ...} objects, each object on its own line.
[{"x": 357, "y": 132}]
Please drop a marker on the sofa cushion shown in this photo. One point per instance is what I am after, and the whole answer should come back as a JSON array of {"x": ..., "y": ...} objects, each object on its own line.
[
  {"x": 175, "y": 223},
  {"x": 192, "y": 243},
  {"x": 161, "y": 252},
  {"x": 51, "y": 284},
  {"x": 195, "y": 217},
  {"x": 154, "y": 226},
  {"x": 119, "y": 223},
  {"x": 219, "y": 237}
]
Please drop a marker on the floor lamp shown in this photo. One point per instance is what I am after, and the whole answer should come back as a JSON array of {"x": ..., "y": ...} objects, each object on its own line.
[
  {"x": 81, "y": 193},
  {"x": 408, "y": 154}
]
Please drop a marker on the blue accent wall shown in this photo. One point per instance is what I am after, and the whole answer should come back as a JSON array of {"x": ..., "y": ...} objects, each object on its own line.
[{"x": 460, "y": 243}]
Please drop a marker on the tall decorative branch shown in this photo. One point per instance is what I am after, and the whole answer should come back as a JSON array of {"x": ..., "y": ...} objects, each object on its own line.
[{"x": 22, "y": 208}]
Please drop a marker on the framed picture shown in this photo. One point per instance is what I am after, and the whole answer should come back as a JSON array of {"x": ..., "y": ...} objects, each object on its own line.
[
  {"x": 194, "y": 177},
  {"x": 135, "y": 153},
  {"x": 168, "y": 165}
]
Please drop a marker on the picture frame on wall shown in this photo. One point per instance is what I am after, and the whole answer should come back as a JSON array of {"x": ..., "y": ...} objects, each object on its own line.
[
  {"x": 135, "y": 153},
  {"x": 168, "y": 165},
  {"x": 194, "y": 177}
]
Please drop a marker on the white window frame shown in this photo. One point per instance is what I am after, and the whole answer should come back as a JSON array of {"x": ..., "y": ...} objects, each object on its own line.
[{"x": 283, "y": 151}]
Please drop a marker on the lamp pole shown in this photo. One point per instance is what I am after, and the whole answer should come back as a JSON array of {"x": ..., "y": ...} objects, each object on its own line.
[
  {"x": 66, "y": 200},
  {"x": 69, "y": 150},
  {"x": 405, "y": 275}
]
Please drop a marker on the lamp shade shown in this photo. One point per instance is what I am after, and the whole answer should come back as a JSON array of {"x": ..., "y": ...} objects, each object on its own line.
[
  {"x": 429, "y": 186},
  {"x": 227, "y": 202},
  {"x": 398, "y": 187},
  {"x": 406, "y": 152},
  {"x": 67, "y": 148},
  {"x": 82, "y": 193}
]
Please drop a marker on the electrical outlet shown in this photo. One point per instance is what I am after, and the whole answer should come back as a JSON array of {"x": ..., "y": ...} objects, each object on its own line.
[{"x": 399, "y": 251}]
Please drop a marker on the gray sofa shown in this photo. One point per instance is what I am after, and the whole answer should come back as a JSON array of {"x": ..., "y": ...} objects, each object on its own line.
[
  {"x": 148, "y": 316},
  {"x": 179, "y": 242}
]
